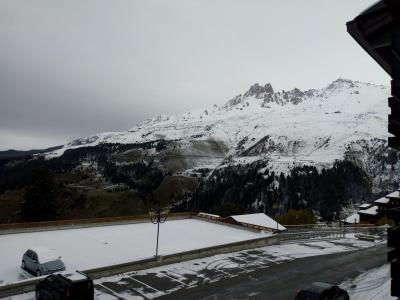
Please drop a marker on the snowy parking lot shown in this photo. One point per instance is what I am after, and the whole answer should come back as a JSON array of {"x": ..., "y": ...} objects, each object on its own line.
[
  {"x": 186, "y": 276},
  {"x": 85, "y": 248}
]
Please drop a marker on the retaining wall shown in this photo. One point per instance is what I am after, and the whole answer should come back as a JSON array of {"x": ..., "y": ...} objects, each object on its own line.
[{"x": 81, "y": 223}]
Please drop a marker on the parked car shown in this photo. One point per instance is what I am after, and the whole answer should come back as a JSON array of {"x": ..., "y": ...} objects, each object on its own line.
[
  {"x": 322, "y": 291},
  {"x": 41, "y": 261},
  {"x": 71, "y": 286}
]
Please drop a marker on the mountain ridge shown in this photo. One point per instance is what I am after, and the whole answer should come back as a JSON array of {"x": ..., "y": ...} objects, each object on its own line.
[{"x": 312, "y": 125}]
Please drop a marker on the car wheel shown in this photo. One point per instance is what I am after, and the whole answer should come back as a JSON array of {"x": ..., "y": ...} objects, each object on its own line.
[
  {"x": 38, "y": 273},
  {"x": 23, "y": 265}
]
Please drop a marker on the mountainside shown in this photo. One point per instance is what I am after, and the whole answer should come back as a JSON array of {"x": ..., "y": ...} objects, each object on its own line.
[
  {"x": 313, "y": 127},
  {"x": 12, "y": 153},
  {"x": 264, "y": 150}
]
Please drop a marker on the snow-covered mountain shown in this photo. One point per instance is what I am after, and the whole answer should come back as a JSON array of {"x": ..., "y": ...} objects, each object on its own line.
[{"x": 286, "y": 127}]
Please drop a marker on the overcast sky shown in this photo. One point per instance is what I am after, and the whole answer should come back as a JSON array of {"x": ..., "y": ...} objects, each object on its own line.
[{"x": 73, "y": 68}]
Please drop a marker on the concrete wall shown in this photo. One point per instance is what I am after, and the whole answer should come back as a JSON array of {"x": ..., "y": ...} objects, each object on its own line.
[{"x": 81, "y": 223}]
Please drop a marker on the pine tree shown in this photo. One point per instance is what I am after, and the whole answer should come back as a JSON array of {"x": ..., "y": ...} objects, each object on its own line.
[{"x": 39, "y": 200}]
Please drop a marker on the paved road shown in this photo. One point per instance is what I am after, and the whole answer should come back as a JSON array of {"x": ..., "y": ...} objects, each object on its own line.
[{"x": 281, "y": 281}]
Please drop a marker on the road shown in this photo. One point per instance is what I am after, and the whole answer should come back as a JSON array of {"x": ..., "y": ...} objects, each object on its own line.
[{"x": 281, "y": 281}]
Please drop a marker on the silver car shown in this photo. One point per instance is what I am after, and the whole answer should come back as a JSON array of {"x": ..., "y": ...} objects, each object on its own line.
[{"x": 41, "y": 261}]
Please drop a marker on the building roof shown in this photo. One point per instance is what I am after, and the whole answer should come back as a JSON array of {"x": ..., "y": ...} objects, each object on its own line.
[
  {"x": 373, "y": 211},
  {"x": 354, "y": 218},
  {"x": 259, "y": 220},
  {"x": 373, "y": 30},
  {"x": 382, "y": 200},
  {"x": 365, "y": 205},
  {"x": 395, "y": 194},
  {"x": 201, "y": 214}
]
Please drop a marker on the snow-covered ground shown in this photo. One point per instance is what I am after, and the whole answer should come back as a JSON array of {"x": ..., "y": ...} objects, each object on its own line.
[
  {"x": 372, "y": 285},
  {"x": 101, "y": 246},
  {"x": 155, "y": 282},
  {"x": 292, "y": 127}
]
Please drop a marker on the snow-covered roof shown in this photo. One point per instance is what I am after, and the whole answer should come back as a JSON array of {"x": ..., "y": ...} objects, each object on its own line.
[
  {"x": 365, "y": 205},
  {"x": 201, "y": 214},
  {"x": 395, "y": 194},
  {"x": 45, "y": 255},
  {"x": 259, "y": 220},
  {"x": 383, "y": 200},
  {"x": 370, "y": 211},
  {"x": 354, "y": 218}
]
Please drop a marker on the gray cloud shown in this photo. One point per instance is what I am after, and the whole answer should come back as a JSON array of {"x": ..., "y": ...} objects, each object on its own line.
[{"x": 73, "y": 68}]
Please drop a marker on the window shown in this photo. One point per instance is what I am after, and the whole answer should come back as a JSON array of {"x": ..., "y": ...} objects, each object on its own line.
[{"x": 34, "y": 255}]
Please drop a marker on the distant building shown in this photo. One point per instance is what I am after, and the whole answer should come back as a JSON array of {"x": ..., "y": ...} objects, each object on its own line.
[
  {"x": 382, "y": 204},
  {"x": 388, "y": 202},
  {"x": 371, "y": 213},
  {"x": 352, "y": 219},
  {"x": 365, "y": 206},
  {"x": 209, "y": 216},
  {"x": 257, "y": 221},
  {"x": 368, "y": 215}
]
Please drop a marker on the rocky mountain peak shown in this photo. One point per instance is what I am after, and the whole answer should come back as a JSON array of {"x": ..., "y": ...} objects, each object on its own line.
[
  {"x": 258, "y": 90},
  {"x": 341, "y": 83}
]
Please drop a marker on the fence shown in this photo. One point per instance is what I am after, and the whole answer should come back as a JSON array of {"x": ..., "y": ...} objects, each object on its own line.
[{"x": 313, "y": 232}]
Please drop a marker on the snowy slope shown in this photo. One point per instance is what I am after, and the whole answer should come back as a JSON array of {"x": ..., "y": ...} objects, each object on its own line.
[{"x": 306, "y": 127}]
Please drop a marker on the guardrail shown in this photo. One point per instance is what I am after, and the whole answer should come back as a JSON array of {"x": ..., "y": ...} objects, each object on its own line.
[
  {"x": 328, "y": 232},
  {"x": 309, "y": 235},
  {"x": 326, "y": 226}
]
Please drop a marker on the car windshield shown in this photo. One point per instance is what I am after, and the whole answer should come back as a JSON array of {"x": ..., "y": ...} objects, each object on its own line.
[{"x": 45, "y": 255}]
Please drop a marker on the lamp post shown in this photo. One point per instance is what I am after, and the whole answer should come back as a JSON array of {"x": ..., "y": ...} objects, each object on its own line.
[{"x": 156, "y": 217}]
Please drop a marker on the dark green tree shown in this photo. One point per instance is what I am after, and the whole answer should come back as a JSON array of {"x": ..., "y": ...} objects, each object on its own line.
[{"x": 40, "y": 198}]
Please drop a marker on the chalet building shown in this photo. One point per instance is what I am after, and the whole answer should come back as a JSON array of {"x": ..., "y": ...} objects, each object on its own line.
[
  {"x": 257, "y": 221},
  {"x": 209, "y": 216},
  {"x": 387, "y": 203},
  {"x": 394, "y": 199},
  {"x": 369, "y": 215},
  {"x": 364, "y": 206},
  {"x": 382, "y": 204},
  {"x": 377, "y": 30}
]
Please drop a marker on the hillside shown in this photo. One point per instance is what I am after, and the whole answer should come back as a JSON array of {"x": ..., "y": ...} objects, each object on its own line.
[
  {"x": 12, "y": 153},
  {"x": 263, "y": 150}
]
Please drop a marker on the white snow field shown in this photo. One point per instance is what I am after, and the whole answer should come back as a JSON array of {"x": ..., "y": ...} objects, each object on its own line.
[
  {"x": 85, "y": 248},
  {"x": 373, "y": 284}
]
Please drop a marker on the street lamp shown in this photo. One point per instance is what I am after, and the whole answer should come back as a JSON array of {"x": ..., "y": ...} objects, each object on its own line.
[{"x": 158, "y": 216}]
